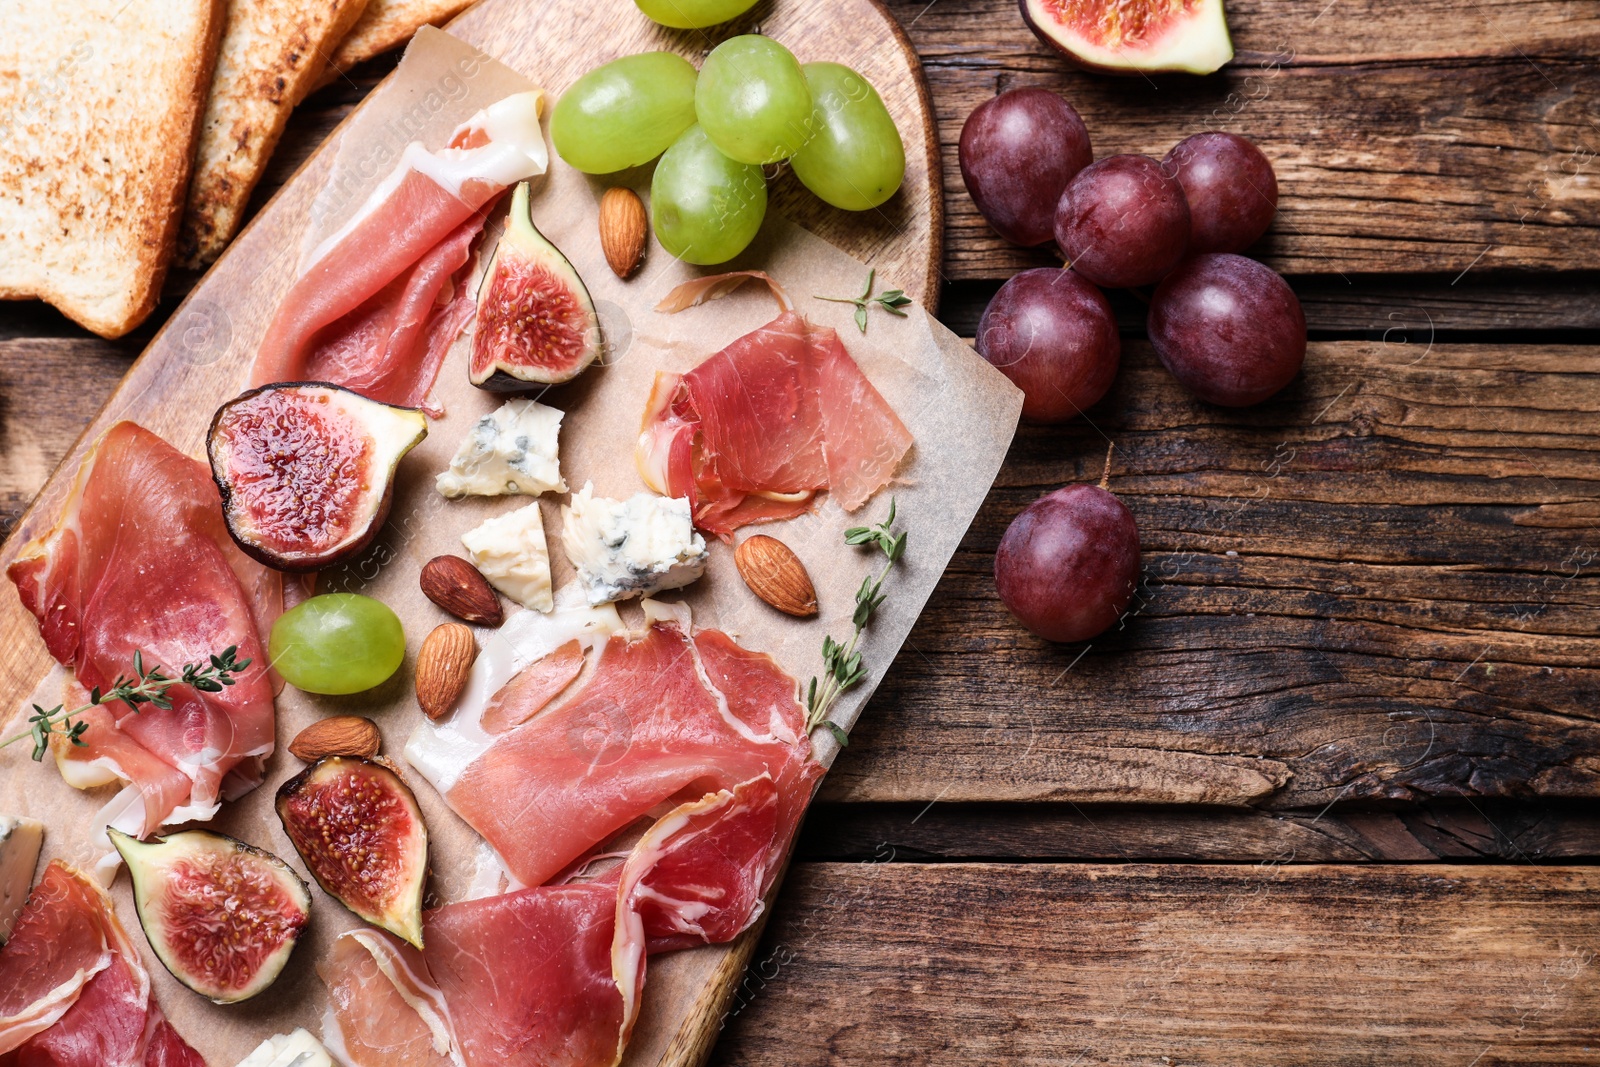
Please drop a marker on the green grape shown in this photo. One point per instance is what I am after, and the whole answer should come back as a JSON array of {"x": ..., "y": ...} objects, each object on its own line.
[
  {"x": 624, "y": 113},
  {"x": 706, "y": 207},
  {"x": 693, "y": 14},
  {"x": 337, "y": 643},
  {"x": 752, "y": 100},
  {"x": 855, "y": 160}
]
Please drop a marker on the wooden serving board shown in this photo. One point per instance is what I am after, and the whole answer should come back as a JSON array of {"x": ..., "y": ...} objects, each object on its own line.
[{"x": 200, "y": 358}]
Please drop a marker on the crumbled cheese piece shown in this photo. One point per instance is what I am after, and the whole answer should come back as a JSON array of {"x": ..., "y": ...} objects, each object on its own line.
[
  {"x": 298, "y": 1049},
  {"x": 20, "y": 840},
  {"x": 512, "y": 451},
  {"x": 510, "y": 551},
  {"x": 633, "y": 547}
]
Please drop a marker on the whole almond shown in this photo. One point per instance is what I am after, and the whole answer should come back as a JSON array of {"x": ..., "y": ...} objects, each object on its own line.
[
  {"x": 623, "y": 229},
  {"x": 775, "y": 574},
  {"x": 457, "y": 587},
  {"x": 339, "y": 735},
  {"x": 443, "y": 666}
]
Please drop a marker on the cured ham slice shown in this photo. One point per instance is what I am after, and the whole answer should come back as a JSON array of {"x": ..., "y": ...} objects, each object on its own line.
[
  {"x": 651, "y": 724},
  {"x": 551, "y": 976},
  {"x": 538, "y": 684},
  {"x": 755, "y": 431},
  {"x": 696, "y": 877},
  {"x": 59, "y": 943},
  {"x": 528, "y": 977},
  {"x": 383, "y": 1007},
  {"x": 381, "y": 300},
  {"x": 73, "y": 989},
  {"x": 140, "y": 562}
]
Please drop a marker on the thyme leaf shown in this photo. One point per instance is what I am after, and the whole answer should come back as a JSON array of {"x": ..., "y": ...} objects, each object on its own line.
[
  {"x": 144, "y": 687},
  {"x": 893, "y": 301},
  {"x": 842, "y": 665}
]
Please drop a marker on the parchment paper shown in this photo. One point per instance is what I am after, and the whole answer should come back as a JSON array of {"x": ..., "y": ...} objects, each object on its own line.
[{"x": 961, "y": 412}]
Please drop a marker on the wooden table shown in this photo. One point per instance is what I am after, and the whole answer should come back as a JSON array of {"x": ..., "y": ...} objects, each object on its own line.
[{"x": 1330, "y": 796}]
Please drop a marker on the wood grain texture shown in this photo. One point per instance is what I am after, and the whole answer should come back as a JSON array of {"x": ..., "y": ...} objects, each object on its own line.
[
  {"x": 1376, "y": 587},
  {"x": 1509, "y": 831},
  {"x": 1410, "y": 612},
  {"x": 1417, "y": 137},
  {"x": 50, "y": 388},
  {"x": 1246, "y": 964}
]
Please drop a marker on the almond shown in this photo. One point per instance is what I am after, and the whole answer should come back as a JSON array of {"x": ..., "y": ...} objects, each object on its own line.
[
  {"x": 443, "y": 666},
  {"x": 340, "y": 735},
  {"x": 623, "y": 229},
  {"x": 775, "y": 574},
  {"x": 457, "y": 587}
]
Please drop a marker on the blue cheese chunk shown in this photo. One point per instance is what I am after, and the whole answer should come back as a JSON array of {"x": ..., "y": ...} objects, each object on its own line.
[
  {"x": 298, "y": 1049},
  {"x": 511, "y": 451},
  {"x": 20, "y": 840},
  {"x": 634, "y": 547},
  {"x": 510, "y": 551}
]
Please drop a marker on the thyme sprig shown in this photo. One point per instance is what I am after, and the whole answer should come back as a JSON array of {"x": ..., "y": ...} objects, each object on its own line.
[
  {"x": 145, "y": 687},
  {"x": 841, "y": 663},
  {"x": 892, "y": 300}
]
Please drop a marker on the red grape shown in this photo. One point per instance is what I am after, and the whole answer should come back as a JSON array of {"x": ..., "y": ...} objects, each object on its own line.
[
  {"x": 1228, "y": 328},
  {"x": 1054, "y": 335},
  {"x": 1068, "y": 564},
  {"x": 1123, "y": 221},
  {"x": 1231, "y": 189},
  {"x": 1018, "y": 151}
]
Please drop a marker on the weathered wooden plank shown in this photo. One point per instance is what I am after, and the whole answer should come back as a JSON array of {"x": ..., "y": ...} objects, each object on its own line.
[
  {"x": 1468, "y": 145},
  {"x": 1397, "y": 150},
  {"x": 1245, "y": 964},
  {"x": 1397, "y": 308},
  {"x": 1510, "y": 832},
  {"x": 1406, "y": 614},
  {"x": 49, "y": 390},
  {"x": 1376, "y": 587}
]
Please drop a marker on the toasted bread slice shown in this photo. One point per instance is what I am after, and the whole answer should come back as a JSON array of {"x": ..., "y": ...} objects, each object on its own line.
[
  {"x": 388, "y": 24},
  {"x": 272, "y": 54},
  {"x": 100, "y": 104}
]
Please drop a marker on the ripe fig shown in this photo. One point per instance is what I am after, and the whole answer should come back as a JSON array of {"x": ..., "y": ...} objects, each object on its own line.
[
  {"x": 221, "y": 915},
  {"x": 306, "y": 470},
  {"x": 1132, "y": 36},
  {"x": 536, "y": 323},
  {"x": 358, "y": 828}
]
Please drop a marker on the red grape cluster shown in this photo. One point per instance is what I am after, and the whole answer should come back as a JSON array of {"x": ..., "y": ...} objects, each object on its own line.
[{"x": 1227, "y": 327}]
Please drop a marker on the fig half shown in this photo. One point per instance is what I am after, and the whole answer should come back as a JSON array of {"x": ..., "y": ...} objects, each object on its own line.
[
  {"x": 1134, "y": 36},
  {"x": 361, "y": 834},
  {"x": 306, "y": 470},
  {"x": 221, "y": 915},
  {"x": 536, "y": 323}
]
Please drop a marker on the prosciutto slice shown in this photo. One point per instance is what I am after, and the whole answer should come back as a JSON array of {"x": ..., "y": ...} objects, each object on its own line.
[
  {"x": 755, "y": 431},
  {"x": 140, "y": 562},
  {"x": 73, "y": 989},
  {"x": 384, "y": 1009},
  {"x": 381, "y": 299},
  {"x": 662, "y": 717},
  {"x": 552, "y": 976}
]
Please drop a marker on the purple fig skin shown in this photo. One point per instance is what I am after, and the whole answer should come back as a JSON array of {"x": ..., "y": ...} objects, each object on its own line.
[
  {"x": 1018, "y": 152},
  {"x": 1228, "y": 328},
  {"x": 1122, "y": 222},
  {"x": 1231, "y": 188},
  {"x": 1068, "y": 564},
  {"x": 1055, "y": 336}
]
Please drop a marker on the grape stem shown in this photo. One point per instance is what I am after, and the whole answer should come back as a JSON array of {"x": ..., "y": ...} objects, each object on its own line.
[
  {"x": 1105, "y": 472},
  {"x": 842, "y": 666},
  {"x": 145, "y": 687},
  {"x": 891, "y": 300}
]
